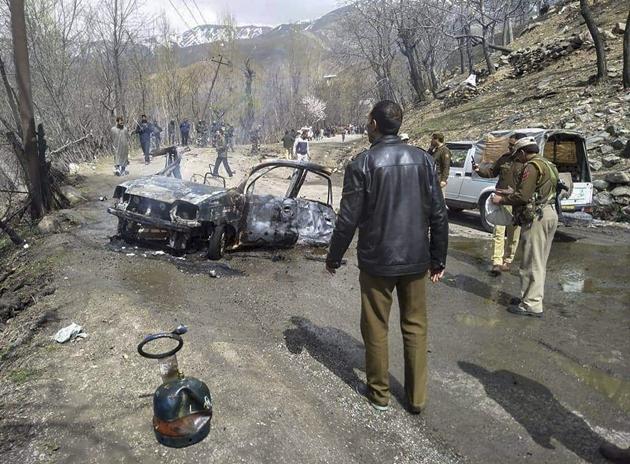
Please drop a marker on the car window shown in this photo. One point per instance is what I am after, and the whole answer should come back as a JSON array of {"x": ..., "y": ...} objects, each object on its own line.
[
  {"x": 274, "y": 181},
  {"x": 458, "y": 157},
  {"x": 314, "y": 188}
]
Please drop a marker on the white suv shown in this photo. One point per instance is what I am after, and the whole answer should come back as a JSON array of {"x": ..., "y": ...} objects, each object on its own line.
[{"x": 467, "y": 190}]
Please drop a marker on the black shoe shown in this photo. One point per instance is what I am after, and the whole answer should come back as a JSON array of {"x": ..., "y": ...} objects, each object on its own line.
[
  {"x": 515, "y": 301},
  {"x": 496, "y": 270},
  {"x": 520, "y": 311},
  {"x": 614, "y": 453},
  {"x": 362, "y": 389},
  {"x": 415, "y": 410}
]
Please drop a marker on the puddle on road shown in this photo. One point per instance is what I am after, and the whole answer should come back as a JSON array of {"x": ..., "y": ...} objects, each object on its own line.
[
  {"x": 576, "y": 267},
  {"x": 613, "y": 388},
  {"x": 594, "y": 269}
]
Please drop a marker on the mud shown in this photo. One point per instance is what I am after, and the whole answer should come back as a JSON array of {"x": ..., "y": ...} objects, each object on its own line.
[{"x": 278, "y": 342}]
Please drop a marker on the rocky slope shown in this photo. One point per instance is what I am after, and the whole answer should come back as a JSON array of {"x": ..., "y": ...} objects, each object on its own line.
[{"x": 545, "y": 82}]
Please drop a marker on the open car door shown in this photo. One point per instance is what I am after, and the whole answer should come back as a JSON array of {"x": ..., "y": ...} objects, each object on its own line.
[
  {"x": 316, "y": 217},
  {"x": 282, "y": 219}
]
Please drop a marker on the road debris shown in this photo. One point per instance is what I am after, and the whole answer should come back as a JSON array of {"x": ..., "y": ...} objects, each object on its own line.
[
  {"x": 70, "y": 333},
  {"x": 182, "y": 406}
]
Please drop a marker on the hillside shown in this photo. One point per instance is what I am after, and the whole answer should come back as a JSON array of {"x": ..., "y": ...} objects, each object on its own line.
[
  {"x": 210, "y": 33},
  {"x": 265, "y": 44},
  {"x": 557, "y": 96}
]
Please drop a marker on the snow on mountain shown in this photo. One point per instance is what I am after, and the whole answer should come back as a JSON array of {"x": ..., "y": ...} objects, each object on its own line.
[{"x": 209, "y": 33}]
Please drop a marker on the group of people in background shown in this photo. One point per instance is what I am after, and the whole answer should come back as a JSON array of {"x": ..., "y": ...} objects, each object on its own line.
[
  {"x": 149, "y": 135},
  {"x": 527, "y": 187},
  {"x": 296, "y": 146}
]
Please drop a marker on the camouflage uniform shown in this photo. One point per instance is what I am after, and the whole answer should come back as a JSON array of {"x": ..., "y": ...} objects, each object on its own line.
[
  {"x": 222, "y": 155},
  {"x": 508, "y": 170},
  {"x": 533, "y": 202}
]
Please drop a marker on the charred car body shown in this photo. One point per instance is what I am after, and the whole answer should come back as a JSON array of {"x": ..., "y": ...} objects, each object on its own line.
[{"x": 188, "y": 215}]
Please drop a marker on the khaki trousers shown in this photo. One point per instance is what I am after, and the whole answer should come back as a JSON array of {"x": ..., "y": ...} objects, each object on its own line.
[
  {"x": 536, "y": 240},
  {"x": 288, "y": 153},
  {"x": 500, "y": 253},
  {"x": 376, "y": 302}
]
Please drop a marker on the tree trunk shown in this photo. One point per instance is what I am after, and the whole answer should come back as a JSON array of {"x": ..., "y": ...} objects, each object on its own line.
[
  {"x": 602, "y": 70},
  {"x": 415, "y": 74},
  {"x": 486, "y": 50},
  {"x": 469, "y": 52},
  {"x": 460, "y": 43},
  {"x": 6, "y": 228},
  {"x": 10, "y": 97},
  {"x": 248, "y": 119},
  {"x": 508, "y": 35},
  {"x": 626, "y": 54},
  {"x": 25, "y": 103}
]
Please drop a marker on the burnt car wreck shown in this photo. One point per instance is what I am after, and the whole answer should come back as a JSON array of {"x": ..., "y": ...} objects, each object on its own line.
[{"x": 186, "y": 215}]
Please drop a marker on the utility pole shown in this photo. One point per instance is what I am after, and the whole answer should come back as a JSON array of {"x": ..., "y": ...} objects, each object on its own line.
[
  {"x": 220, "y": 63},
  {"x": 35, "y": 167}
]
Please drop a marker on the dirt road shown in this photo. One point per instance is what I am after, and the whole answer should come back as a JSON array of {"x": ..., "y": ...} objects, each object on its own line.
[{"x": 278, "y": 342}]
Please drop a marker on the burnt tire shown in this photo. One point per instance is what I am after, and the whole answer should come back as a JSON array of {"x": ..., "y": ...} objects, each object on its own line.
[
  {"x": 217, "y": 242},
  {"x": 127, "y": 231},
  {"x": 482, "y": 213}
]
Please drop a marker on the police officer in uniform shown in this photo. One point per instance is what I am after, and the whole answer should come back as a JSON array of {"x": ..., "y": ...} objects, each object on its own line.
[
  {"x": 442, "y": 157},
  {"x": 533, "y": 201},
  {"x": 508, "y": 170}
]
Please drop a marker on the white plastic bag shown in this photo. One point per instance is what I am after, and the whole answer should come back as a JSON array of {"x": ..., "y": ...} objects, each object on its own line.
[
  {"x": 497, "y": 215},
  {"x": 71, "y": 332}
]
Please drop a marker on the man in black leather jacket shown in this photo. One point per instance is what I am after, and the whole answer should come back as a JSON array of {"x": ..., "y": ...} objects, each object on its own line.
[{"x": 392, "y": 194}]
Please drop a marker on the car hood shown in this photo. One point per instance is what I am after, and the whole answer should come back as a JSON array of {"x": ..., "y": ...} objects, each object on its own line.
[{"x": 170, "y": 189}]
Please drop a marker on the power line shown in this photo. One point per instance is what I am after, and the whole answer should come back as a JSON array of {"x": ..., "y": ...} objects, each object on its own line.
[
  {"x": 200, "y": 13},
  {"x": 179, "y": 14},
  {"x": 192, "y": 15}
]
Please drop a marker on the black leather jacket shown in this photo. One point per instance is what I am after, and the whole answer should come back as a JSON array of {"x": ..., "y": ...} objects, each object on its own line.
[{"x": 391, "y": 192}]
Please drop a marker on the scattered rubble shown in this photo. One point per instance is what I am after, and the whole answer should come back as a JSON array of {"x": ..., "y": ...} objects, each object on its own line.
[
  {"x": 73, "y": 195},
  {"x": 460, "y": 95},
  {"x": 60, "y": 221},
  {"x": 535, "y": 58}
]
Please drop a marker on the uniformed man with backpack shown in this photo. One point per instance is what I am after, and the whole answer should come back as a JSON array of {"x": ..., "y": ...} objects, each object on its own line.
[{"x": 533, "y": 201}]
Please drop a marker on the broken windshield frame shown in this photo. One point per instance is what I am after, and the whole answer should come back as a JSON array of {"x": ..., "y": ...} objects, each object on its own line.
[{"x": 296, "y": 183}]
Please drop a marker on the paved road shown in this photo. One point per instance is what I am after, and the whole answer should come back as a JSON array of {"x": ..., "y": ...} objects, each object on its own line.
[{"x": 278, "y": 342}]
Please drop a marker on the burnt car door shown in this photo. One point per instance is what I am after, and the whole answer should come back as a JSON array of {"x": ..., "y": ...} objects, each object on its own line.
[
  {"x": 302, "y": 214},
  {"x": 269, "y": 219},
  {"x": 316, "y": 217}
]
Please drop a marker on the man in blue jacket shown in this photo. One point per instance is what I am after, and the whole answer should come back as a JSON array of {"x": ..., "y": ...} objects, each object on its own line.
[
  {"x": 392, "y": 194},
  {"x": 143, "y": 129}
]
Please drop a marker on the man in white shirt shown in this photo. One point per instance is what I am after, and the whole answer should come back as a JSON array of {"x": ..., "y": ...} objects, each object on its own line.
[{"x": 301, "y": 147}]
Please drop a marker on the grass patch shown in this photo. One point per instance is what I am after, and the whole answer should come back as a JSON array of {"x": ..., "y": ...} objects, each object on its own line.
[{"x": 21, "y": 376}]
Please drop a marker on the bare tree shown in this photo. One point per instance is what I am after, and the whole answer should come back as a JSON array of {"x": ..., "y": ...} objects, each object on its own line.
[
  {"x": 26, "y": 148},
  {"x": 371, "y": 36},
  {"x": 247, "y": 121},
  {"x": 405, "y": 17},
  {"x": 114, "y": 23},
  {"x": 11, "y": 98},
  {"x": 602, "y": 68},
  {"x": 56, "y": 33},
  {"x": 626, "y": 54}
]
